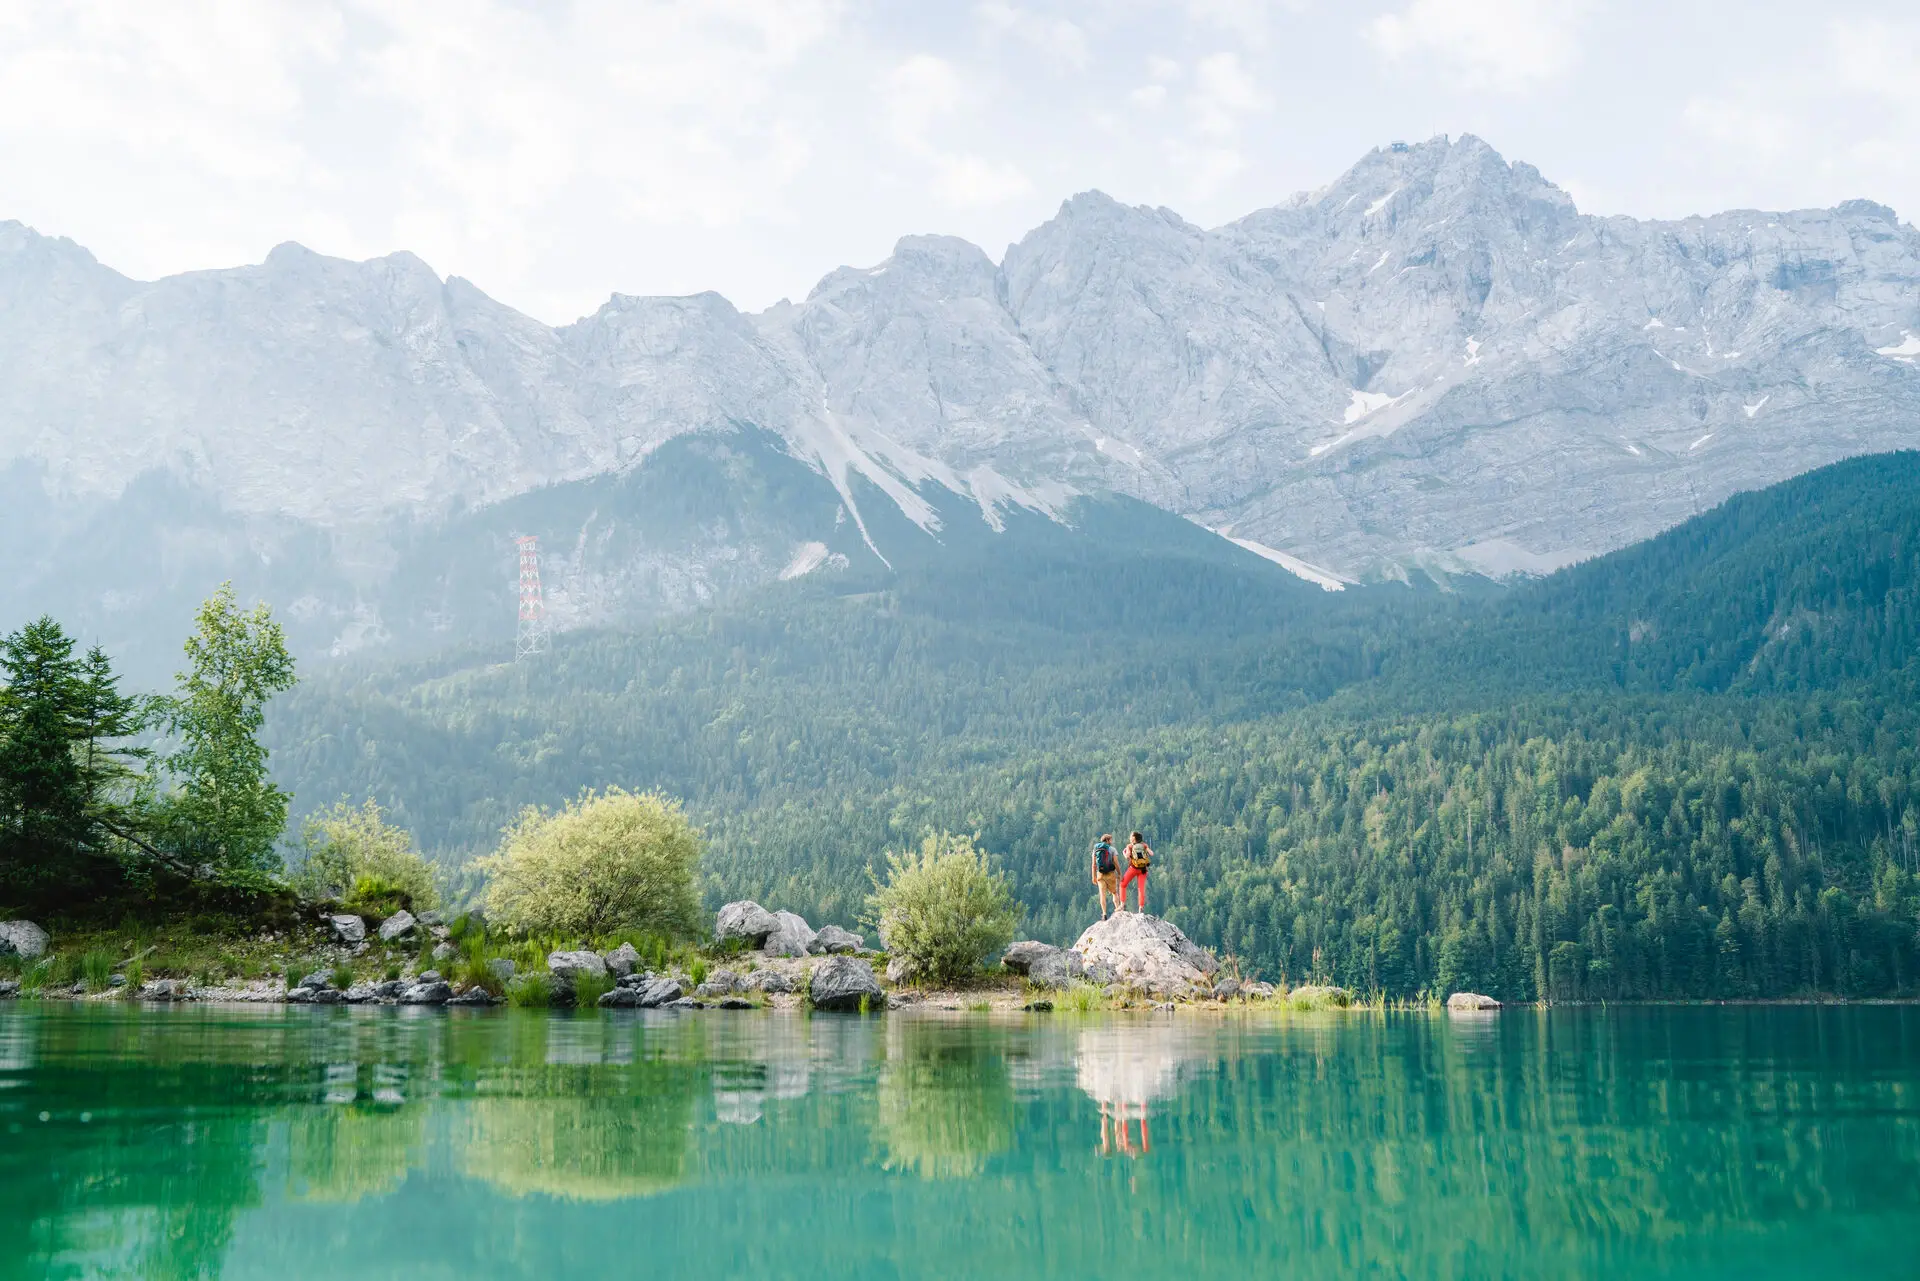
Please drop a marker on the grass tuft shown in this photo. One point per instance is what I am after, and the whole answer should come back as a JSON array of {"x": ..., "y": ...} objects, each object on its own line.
[
  {"x": 342, "y": 976},
  {"x": 533, "y": 990},
  {"x": 96, "y": 968},
  {"x": 589, "y": 988}
]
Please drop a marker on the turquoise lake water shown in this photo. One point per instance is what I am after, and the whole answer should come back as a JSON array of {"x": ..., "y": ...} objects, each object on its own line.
[{"x": 291, "y": 1143}]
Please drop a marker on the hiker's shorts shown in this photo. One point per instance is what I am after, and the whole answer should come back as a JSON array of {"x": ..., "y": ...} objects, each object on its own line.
[{"x": 1110, "y": 882}]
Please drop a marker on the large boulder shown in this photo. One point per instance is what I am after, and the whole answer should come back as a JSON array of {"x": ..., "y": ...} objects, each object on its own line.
[
  {"x": 23, "y": 939},
  {"x": 842, "y": 982},
  {"x": 793, "y": 937},
  {"x": 1147, "y": 952},
  {"x": 1058, "y": 968},
  {"x": 397, "y": 926},
  {"x": 901, "y": 970},
  {"x": 834, "y": 940},
  {"x": 348, "y": 929},
  {"x": 658, "y": 992},
  {"x": 1020, "y": 956},
  {"x": 570, "y": 965},
  {"x": 721, "y": 982},
  {"x": 1471, "y": 1001},
  {"x": 434, "y": 991},
  {"x": 745, "y": 920},
  {"x": 167, "y": 990},
  {"x": 623, "y": 960}
]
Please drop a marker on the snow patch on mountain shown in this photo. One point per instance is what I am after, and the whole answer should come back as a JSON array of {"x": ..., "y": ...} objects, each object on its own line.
[{"x": 1325, "y": 579}]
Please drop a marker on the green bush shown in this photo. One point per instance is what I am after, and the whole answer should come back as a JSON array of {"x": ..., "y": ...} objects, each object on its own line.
[
  {"x": 342, "y": 976},
  {"x": 608, "y": 861},
  {"x": 944, "y": 909},
  {"x": 533, "y": 990},
  {"x": 344, "y": 848},
  {"x": 136, "y": 974},
  {"x": 375, "y": 896},
  {"x": 589, "y": 988},
  {"x": 698, "y": 970},
  {"x": 96, "y": 967}
]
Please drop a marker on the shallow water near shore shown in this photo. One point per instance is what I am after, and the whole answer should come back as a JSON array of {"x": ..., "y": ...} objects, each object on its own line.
[{"x": 290, "y": 1143}]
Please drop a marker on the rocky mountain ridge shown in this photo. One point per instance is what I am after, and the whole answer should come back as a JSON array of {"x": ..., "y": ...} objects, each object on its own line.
[{"x": 1436, "y": 362}]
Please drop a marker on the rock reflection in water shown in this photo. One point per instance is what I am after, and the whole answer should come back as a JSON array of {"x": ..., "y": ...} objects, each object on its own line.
[{"x": 1126, "y": 1069}]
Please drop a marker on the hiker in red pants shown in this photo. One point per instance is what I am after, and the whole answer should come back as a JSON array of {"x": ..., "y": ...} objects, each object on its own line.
[{"x": 1139, "y": 859}]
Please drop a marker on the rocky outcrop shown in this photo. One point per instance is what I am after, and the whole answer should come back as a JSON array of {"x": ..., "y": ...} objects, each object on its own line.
[
  {"x": 648, "y": 994},
  {"x": 792, "y": 937},
  {"x": 834, "y": 940},
  {"x": 1471, "y": 1001},
  {"x": 167, "y": 990},
  {"x": 398, "y": 926},
  {"x": 23, "y": 939},
  {"x": 347, "y": 929},
  {"x": 570, "y": 965},
  {"x": 844, "y": 983},
  {"x": 623, "y": 960},
  {"x": 1057, "y": 969},
  {"x": 1226, "y": 989},
  {"x": 1148, "y": 953},
  {"x": 721, "y": 982},
  {"x": 1020, "y": 956},
  {"x": 744, "y": 920}
]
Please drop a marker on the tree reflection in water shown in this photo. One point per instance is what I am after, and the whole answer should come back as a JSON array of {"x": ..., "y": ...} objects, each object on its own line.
[{"x": 945, "y": 1103}]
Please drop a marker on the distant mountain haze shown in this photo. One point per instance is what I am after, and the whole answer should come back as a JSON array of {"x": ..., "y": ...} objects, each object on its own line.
[{"x": 1435, "y": 363}]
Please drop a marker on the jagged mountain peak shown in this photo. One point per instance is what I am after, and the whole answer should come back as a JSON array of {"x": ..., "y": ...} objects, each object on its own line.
[{"x": 1434, "y": 361}]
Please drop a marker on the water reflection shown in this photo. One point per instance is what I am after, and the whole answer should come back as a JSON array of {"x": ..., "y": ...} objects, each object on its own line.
[
  {"x": 1128, "y": 1067},
  {"x": 290, "y": 1144}
]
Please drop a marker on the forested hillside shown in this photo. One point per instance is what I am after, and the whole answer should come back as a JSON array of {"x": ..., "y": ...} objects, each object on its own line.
[{"x": 1686, "y": 769}]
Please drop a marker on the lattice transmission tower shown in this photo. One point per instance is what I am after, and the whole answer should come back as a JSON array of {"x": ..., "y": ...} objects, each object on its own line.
[{"x": 532, "y": 636}]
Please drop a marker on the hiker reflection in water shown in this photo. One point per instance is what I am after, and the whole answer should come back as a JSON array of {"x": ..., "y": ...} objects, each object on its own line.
[{"x": 1118, "y": 1119}]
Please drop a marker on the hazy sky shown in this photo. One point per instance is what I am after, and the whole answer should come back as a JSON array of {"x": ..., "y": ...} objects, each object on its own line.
[{"x": 554, "y": 152}]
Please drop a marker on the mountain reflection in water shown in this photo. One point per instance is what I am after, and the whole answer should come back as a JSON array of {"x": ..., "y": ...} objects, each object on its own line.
[{"x": 294, "y": 1143}]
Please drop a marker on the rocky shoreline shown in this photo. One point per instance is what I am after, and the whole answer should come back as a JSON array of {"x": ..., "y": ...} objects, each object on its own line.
[{"x": 762, "y": 960}]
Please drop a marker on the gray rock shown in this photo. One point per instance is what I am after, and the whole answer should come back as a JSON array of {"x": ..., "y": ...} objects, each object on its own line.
[
  {"x": 661, "y": 992},
  {"x": 473, "y": 996},
  {"x": 362, "y": 993},
  {"x": 793, "y": 937},
  {"x": 1057, "y": 969},
  {"x": 440, "y": 932},
  {"x": 167, "y": 990},
  {"x": 429, "y": 976},
  {"x": 685, "y": 1003},
  {"x": 623, "y": 960},
  {"x": 621, "y": 998},
  {"x": 1471, "y": 1001},
  {"x": 832, "y": 939},
  {"x": 724, "y": 982},
  {"x": 744, "y": 920},
  {"x": 9, "y": 989},
  {"x": 1147, "y": 952},
  {"x": 23, "y": 939},
  {"x": 329, "y": 996},
  {"x": 565, "y": 965},
  {"x": 397, "y": 926},
  {"x": 735, "y": 1003},
  {"x": 389, "y": 990},
  {"x": 1226, "y": 989},
  {"x": 348, "y": 929},
  {"x": 768, "y": 981},
  {"x": 433, "y": 992},
  {"x": 1099, "y": 972},
  {"x": 840, "y": 983},
  {"x": 901, "y": 970},
  {"x": 117, "y": 980},
  {"x": 1257, "y": 991},
  {"x": 501, "y": 967},
  {"x": 432, "y": 920},
  {"x": 295, "y": 995},
  {"x": 317, "y": 980},
  {"x": 1020, "y": 957},
  {"x": 442, "y": 951}
]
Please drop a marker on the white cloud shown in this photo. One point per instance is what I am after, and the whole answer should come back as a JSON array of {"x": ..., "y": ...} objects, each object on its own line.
[
  {"x": 1058, "y": 38},
  {"x": 1507, "y": 45},
  {"x": 1223, "y": 94},
  {"x": 921, "y": 95}
]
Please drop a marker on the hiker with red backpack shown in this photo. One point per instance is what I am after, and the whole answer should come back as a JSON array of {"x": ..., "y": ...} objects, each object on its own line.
[{"x": 1106, "y": 872}]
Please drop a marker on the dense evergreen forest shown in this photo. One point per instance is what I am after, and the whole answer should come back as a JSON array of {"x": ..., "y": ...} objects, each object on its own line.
[{"x": 1687, "y": 769}]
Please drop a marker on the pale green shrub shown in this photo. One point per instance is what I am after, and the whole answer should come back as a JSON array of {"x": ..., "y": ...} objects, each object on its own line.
[
  {"x": 609, "y": 861},
  {"x": 353, "y": 854},
  {"x": 944, "y": 909}
]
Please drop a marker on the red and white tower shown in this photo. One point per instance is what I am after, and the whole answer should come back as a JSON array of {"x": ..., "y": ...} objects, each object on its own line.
[{"x": 531, "y": 637}]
